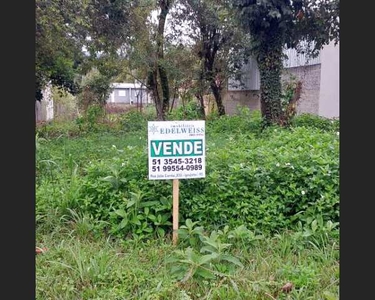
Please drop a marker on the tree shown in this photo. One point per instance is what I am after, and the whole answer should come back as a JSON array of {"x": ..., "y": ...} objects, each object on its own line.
[
  {"x": 111, "y": 25},
  {"x": 181, "y": 68},
  {"x": 272, "y": 24},
  {"x": 123, "y": 28},
  {"x": 98, "y": 74},
  {"x": 58, "y": 44},
  {"x": 219, "y": 44},
  {"x": 95, "y": 89},
  {"x": 157, "y": 75}
]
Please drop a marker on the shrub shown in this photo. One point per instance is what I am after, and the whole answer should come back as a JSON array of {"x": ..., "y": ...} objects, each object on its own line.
[
  {"x": 95, "y": 89},
  {"x": 117, "y": 192},
  {"x": 267, "y": 182},
  {"x": 189, "y": 111},
  {"x": 56, "y": 129},
  {"x": 245, "y": 122},
  {"x": 318, "y": 122},
  {"x": 133, "y": 121},
  {"x": 64, "y": 104}
]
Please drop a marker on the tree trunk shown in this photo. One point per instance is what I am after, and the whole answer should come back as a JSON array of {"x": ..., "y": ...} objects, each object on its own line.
[
  {"x": 152, "y": 84},
  {"x": 165, "y": 89},
  {"x": 291, "y": 109},
  {"x": 173, "y": 100},
  {"x": 157, "y": 75},
  {"x": 200, "y": 98},
  {"x": 201, "y": 90},
  {"x": 219, "y": 102},
  {"x": 164, "y": 6},
  {"x": 270, "y": 68},
  {"x": 210, "y": 48}
]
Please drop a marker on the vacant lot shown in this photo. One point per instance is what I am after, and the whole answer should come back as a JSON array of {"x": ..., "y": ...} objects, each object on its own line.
[{"x": 263, "y": 224}]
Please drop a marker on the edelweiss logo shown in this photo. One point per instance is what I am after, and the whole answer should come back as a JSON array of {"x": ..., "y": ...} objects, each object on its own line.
[{"x": 153, "y": 129}]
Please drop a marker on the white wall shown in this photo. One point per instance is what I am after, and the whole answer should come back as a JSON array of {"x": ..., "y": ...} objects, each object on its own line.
[
  {"x": 44, "y": 108},
  {"x": 329, "y": 96},
  {"x": 48, "y": 99}
]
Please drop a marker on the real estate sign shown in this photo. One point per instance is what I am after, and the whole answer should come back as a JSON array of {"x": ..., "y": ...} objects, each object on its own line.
[{"x": 176, "y": 150}]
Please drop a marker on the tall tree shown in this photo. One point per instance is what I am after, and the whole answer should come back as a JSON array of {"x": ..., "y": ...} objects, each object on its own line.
[
  {"x": 124, "y": 28},
  {"x": 219, "y": 44},
  {"x": 157, "y": 74},
  {"x": 58, "y": 44},
  {"x": 274, "y": 24}
]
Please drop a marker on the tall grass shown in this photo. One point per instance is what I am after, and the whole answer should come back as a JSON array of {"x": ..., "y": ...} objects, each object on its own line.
[
  {"x": 98, "y": 268},
  {"x": 107, "y": 228}
]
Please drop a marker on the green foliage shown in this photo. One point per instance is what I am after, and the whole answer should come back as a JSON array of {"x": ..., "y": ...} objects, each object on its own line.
[
  {"x": 91, "y": 119},
  {"x": 274, "y": 24},
  {"x": 245, "y": 121},
  {"x": 265, "y": 180},
  {"x": 304, "y": 277},
  {"x": 58, "y": 52},
  {"x": 189, "y": 111},
  {"x": 316, "y": 22},
  {"x": 314, "y": 231},
  {"x": 75, "y": 267},
  {"x": 208, "y": 258},
  {"x": 288, "y": 90},
  {"x": 110, "y": 194},
  {"x": 65, "y": 104},
  {"x": 190, "y": 234},
  {"x": 220, "y": 45},
  {"x": 111, "y": 23},
  {"x": 318, "y": 122},
  {"x": 95, "y": 89},
  {"x": 135, "y": 121},
  {"x": 57, "y": 128}
]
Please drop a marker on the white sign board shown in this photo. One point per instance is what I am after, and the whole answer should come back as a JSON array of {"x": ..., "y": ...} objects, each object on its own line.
[{"x": 176, "y": 150}]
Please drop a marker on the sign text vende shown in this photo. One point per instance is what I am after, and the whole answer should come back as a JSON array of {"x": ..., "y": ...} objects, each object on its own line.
[{"x": 172, "y": 148}]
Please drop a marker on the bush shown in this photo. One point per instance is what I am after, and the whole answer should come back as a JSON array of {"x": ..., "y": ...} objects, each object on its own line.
[
  {"x": 95, "y": 89},
  {"x": 267, "y": 182},
  {"x": 246, "y": 121},
  {"x": 189, "y": 111},
  {"x": 318, "y": 122},
  {"x": 64, "y": 104},
  {"x": 55, "y": 129},
  {"x": 134, "y": 120},
  {"x": 92, "y": 119}
]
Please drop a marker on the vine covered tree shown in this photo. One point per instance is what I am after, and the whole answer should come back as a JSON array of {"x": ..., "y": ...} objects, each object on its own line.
[{"x": 274, "y": 24}]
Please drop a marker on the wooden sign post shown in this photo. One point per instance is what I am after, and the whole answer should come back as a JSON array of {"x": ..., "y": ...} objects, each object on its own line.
[
  {"x": 176, "y": 150},
  {"x": 176, "y": 183}
]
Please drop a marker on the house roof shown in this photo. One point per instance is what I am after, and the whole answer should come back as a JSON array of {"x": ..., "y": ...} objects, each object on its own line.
[{"x": 118, "y": 85}]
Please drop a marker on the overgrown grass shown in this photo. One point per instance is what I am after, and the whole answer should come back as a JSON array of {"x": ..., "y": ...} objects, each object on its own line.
[
  {"x": 267, "y": 180},
  {"x": 79, "y": 266},
  {"x": 268, "y": 207}
]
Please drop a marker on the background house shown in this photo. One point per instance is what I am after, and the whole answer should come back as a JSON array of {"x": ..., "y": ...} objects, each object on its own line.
[
  {"x": 129, "y": 93},
  {"x": 319, "y": 77},
  {"x": 122, "y": 97}
]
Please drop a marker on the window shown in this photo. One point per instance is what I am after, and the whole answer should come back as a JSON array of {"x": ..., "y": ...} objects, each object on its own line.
[{"x": 122, "y": 93}]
